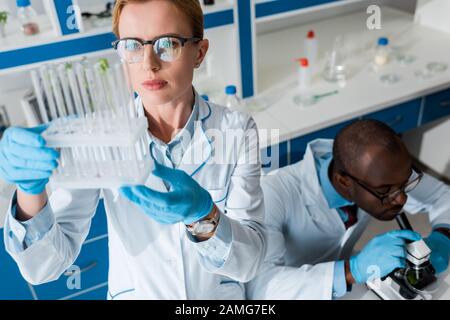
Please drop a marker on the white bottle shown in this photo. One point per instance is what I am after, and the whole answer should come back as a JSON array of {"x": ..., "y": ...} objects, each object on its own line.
[
  {"x": 232, "y": 101},
  {"x": 382, "y": 52},
  {"x": 303, "y": 75},
  {"x": 304, "y": 82},
  {"x": 311, "y": 49},
  {"x": 27, "y": 17}
]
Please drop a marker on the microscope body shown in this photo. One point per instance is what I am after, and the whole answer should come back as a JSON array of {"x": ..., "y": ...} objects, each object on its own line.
[{"x": 413, "y": 281}]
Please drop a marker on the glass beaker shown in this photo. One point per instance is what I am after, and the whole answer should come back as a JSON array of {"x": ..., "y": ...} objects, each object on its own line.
[{"x": 335, "y": 70}]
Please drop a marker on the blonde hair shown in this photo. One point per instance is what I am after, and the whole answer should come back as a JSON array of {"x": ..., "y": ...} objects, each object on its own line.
[{"x": 190, "y": 8}]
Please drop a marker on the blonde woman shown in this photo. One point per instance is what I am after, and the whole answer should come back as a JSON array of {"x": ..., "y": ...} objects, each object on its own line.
[{"x": 193, "y": 231}]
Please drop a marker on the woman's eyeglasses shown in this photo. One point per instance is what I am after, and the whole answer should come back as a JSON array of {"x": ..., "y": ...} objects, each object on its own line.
[
  {"x": 390, "y": 196},
  {"x": 166, "y": 48}
]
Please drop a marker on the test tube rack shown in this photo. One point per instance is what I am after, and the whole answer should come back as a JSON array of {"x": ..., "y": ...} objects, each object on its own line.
[{"x": 94, "y": 124}]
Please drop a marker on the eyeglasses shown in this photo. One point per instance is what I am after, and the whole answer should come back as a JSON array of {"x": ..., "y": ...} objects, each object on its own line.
[
  {"x": 166, "y": 48},
  {"x": 389, "y": 197}
]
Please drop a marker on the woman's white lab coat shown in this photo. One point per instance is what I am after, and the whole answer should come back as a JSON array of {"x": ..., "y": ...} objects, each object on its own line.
[
  {"x": 305, "y": 237},
  {"x": 148, "y": 260}
]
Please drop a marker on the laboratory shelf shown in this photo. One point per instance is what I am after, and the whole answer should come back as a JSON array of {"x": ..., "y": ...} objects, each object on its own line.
[
  {"x": 270, "y": 8},
  {"x": 49, "y": 47}
]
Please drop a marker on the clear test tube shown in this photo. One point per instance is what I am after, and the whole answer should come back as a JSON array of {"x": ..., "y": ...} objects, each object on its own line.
[
  {"x": 98, "y": 160},
  {"x": 92, "y": 162},
  {"x": 129, "y": 90},
  {"x": 60, "y": 106},
  {"x": 85, "y": 165},
  {"x": 117, "y": 159},
  {"x": 70, "y": 164},
  {"x": 119, "y": 79},
  {"x": 77, "y": 161},
  {"x": 75, "y": 92},
  {"x": 79, "y": 69},
  {"x": 104, "y": 91},
  {"x": 115, "y": 100},
  {"x": 39, "y": 97},
  {"x": 48, "y": 92},
  {"x": 93, "y": 91},
  {"x": 108, "y": 164},
  {"x": 65, "y": 86},
  {"x": 144, "y": 151},
  {"x": 134, "y": 159}
]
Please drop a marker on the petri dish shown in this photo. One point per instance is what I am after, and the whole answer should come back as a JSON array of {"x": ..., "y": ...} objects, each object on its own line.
[
  {"x": 437, "y": 67},
  {"x": 405, "y": 58},
  {"x": 423, "y": 74},
  {"x": 390, "y": 78}
]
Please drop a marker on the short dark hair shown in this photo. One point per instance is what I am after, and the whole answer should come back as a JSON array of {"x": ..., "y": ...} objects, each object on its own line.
[{"x": 353, "y": 140}]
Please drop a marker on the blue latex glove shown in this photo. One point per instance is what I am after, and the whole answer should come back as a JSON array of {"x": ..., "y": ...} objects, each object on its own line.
[
  {"x": 187, "y": 201},
  {"x": 440, "y": 250},
  {"x": 24, "y": 159},
  {"x": 386, "y": 252}
]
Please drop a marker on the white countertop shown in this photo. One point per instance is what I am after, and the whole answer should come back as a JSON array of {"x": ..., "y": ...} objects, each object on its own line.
[{"x": 363, "y": 93}]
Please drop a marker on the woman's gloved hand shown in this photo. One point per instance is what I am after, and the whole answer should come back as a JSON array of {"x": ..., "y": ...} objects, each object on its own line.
[
  {"x": 386, "y": 252},
  {"x": 25, "y": 160},
  {"x": 440, "y": 250},
  {"x": 186, "y": 202}
]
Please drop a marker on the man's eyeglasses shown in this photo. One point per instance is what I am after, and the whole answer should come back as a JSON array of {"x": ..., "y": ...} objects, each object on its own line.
[
  {"x": 390, "y": 196},
  {"x": 166, "y": 48}
]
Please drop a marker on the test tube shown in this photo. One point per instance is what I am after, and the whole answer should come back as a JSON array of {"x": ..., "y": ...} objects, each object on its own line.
[
  {"x": 115, "y": 93},
  {"x": 118, "y": 159},
  {"x": 60, "y": 107},
  {"x": 102, "y": 89},
  {"x": 39, "y": 97},
  {"x": 65, "y": 86},
  {"x": 93, "y": 90},
  {"x": 130, "y": 92},
  {"x": 48, "y": 93},
  {"x": 79, "y": 69},
  {"x": 75, "y": 92}
]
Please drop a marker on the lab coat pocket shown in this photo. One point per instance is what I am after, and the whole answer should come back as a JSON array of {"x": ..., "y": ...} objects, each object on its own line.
[{"x": 230, "y": 290}]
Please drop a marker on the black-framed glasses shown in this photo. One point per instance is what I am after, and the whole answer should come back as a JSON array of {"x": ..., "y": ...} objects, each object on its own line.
[
  {"x": 389, "y": 197},
  {"x": 167, "y": 47}
]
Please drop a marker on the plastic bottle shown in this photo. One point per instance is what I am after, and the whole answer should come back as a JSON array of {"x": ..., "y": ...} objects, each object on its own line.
[
  {"x": 304, "y": 75},
  {"x": 27, "y": 17},
  {"x": 311, "y": 49},
  {"x": 232, "y": 101},
  {"x": 304, "y": 82},
  {"x": 382, "y": 52}
]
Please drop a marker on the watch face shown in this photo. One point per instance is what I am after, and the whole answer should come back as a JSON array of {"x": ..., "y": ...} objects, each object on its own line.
[{"x": 203, "y": 228}]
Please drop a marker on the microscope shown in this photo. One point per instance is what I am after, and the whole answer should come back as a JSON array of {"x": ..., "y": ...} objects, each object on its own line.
[{"x": 414, "y": 282}]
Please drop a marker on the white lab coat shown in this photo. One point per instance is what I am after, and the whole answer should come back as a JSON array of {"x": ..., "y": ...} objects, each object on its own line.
[
  {"x": 305, "y": 237},
  {"x": 148, "y": 260}
]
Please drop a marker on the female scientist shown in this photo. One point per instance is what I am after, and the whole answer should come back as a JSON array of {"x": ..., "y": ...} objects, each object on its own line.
[{"x": 194, "y": 230}]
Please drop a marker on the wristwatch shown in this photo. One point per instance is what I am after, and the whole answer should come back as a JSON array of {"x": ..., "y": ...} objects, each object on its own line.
[{"x": 206, "y": 226}]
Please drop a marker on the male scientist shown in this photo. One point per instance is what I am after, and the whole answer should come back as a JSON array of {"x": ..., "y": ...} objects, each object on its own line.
[{"x": 318, "y": 208}]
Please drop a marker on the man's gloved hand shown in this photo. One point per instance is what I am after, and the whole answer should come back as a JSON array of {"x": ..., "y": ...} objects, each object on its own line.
[
  {"x": 386, "y": 252},
  {"x": 187, "y": 201},
  {"x": 24, "y": 159},
  {"x": 440, "y": 250}
]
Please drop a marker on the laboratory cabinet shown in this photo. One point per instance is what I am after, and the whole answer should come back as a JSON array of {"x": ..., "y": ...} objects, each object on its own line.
[
  {"x": 92, "y": 264},
  {"x": 436, "y": 106}
]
